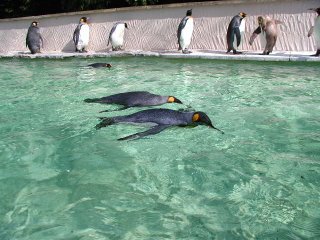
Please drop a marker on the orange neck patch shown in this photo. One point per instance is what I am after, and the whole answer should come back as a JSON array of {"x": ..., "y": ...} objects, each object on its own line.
[
  {"x": 195, "y": 117},
  {"x": 170, "y": 99}
]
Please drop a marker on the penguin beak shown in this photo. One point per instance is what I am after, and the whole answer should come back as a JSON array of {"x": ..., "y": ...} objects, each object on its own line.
[
  {"x": 243, "y": 15},
  {"x": 176, "y": 100},
  {"x": 222, "y": 132},
  {"x": 211, "y": 126},
  {"x": 172, "y": 99},
  {"x": 206, "y": 120}
]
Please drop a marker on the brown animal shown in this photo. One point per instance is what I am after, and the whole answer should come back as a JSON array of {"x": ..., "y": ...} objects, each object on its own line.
[{"x": 268, "y": 27}]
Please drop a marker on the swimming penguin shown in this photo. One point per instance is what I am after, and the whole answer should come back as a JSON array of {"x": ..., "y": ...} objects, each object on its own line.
[
  {"x": 34, "y": 39},
  {"x": 316, "y": 30},
  {"x": 268, "y": 27},
  {"x": 116, "y": 36},
  {"x": 81, "y": 35},
  {"x": 235, "y": 32},
  {"x": 160, "y": 118},
  {"x": 100, "y": 65},
  {"x": 134, "y": 99},
  {"x": 185, "y": 31}
]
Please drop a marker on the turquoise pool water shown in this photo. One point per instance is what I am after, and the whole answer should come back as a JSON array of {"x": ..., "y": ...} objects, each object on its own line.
[{"x": 62, "y": 179}]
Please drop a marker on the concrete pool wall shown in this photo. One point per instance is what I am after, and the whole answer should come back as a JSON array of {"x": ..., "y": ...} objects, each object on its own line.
[{"x": 154, "y": 28}]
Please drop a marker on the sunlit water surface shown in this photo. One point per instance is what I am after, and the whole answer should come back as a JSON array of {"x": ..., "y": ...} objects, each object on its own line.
[{"x": 62, "y": 179}]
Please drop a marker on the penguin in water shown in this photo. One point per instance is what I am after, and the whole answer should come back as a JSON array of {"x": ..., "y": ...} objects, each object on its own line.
[
  {"x": 34, "y": 39},
  {"x": 268, "y": 27},
  {"x": 316, "y": 30},
  {"x": 235, "y": 32},
  {"x": 134, "y": 99},
  {"x": 81, "y": 35},
  {"x": 160, "y": 118},
  {"x": 185, "y": 31},
  {"x": 116, "y": 36},
  {"x": 100, "y": 65}
]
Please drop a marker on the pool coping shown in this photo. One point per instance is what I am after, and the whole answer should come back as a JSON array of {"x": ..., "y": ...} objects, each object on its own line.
[{"x": 283, "y": 56}]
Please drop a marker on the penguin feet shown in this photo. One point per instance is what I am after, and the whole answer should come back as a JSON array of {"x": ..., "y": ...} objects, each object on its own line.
[
  {"x": 81, "y": 50},
  {"x": 317, "y": 54},
  {"x": 117, "y": 48},
  {"x": 236, "y": 52},
  {"x": 186, "y": 51}
]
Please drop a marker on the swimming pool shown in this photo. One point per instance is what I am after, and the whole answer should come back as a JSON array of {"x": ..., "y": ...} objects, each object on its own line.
[{"x": 62, "y": 179}]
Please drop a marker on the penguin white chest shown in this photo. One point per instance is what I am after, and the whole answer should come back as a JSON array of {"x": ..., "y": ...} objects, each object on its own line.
[
  {"x": 317, "y": 31},
  {"x": 241, "y": 29},
  {"x": 186, "y": 34},
  {"x": 84, "y": 35},
  {"x": 242, "y": 26},
  {"x": 117, "y": 36}
]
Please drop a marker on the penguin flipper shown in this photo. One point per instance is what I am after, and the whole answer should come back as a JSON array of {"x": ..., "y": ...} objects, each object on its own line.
[
  {"x": 238, "y": 36},
  {"x": 254, "y": 35},
  {"x": 150, "y": 131},
  {"x": 119, "y": 109},
  {"x": 311, "y": 31},
  {"x": 41, "y": 39},
  {"x": 105, "y": 122},
  {"x": 76, "y": 34},
  {"x": 111, "y": 32},
  {"x": 181, "y": 26},
  {"x": 230, "y": 39}
]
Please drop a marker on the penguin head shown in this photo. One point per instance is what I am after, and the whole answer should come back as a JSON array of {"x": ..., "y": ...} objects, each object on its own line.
[
  {"x": 172, "y": 99},
  {"x": 34, "y": 24},
  {"x": 125, "y": 25},
  {"x": 242, "y": 14},
  {"x": 108, "y": 65},
  {"x": 189, "y": 12},
  {"x": 83, "y": 20},
  {"x": 317, "y": 10},
  {"x": 261, "y": 21},
  {"x": 200, "y": 118}
]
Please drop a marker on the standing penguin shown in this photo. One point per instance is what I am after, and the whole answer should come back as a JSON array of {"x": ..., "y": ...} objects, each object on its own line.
[
  {"x": 34, "y": 39},
  {"x": 316, "y": 30},
  {"x": 235, "y": 32},
  {"x": 81, "y": 35},
  {"x": 185, "y": 31},
  {"x": 116, "y": 36},
  {"x": 268, "y": 27}
]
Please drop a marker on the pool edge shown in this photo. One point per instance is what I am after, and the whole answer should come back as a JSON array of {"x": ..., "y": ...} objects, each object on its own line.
[{"x": 196, "y": 54}]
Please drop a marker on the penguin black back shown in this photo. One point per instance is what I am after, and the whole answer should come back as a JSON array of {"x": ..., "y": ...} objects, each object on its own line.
[
  {"x": 234, "y": 31},
  {"x": 100, "y": 65},
  {"x": 162, "y": 118},
  {"x": 34, "y": 39},
  {"x": 135, "y": 99}
]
